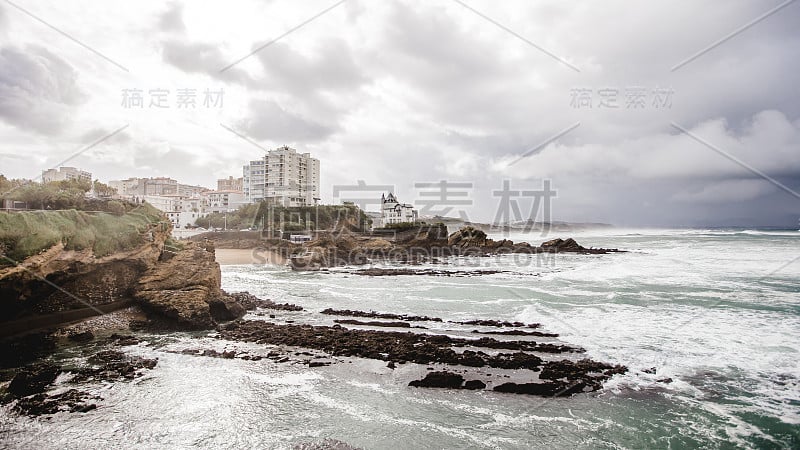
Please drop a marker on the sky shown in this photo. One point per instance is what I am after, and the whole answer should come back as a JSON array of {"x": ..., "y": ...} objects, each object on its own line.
[{"x": 659, "y": 113}]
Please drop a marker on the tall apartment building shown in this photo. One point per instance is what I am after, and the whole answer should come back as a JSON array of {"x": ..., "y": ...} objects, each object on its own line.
[
  {"x": 65, "y": 173},
  {"x": 283, "y": 177}
]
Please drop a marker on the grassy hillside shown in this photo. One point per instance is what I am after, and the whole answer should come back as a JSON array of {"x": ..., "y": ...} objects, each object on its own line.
[{"x": 23, "y": 234}]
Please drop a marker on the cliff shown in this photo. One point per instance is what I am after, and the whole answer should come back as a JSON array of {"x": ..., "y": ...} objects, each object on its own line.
[
  {"x": 82, "y": 263},
  {"x": 184, "y": 286}
]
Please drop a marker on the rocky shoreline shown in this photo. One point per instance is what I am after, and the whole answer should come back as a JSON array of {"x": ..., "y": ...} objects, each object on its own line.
[
  {"x": 518, "y": 363},
  {"x": 178, "y": 288},
  {"x": 544, "y": 377},
  {"x": 423, "y": 243},
  {"x": 29, "y": 390}
]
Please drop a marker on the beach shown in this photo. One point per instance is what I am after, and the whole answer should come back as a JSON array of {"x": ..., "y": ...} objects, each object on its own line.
[{"x": 236, "y": 256}]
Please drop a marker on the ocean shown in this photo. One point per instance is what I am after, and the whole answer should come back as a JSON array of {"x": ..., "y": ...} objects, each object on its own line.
[{"x": 714, "y": 313}]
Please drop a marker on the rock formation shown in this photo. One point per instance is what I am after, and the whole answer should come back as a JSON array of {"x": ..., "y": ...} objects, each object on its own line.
[
  {"x": 179, "y": 283},
  {"x": 185, "y": 287}
]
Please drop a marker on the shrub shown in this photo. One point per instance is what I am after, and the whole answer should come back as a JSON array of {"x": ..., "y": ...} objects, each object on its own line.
[
  {"x": 23, "y": 234},
  {"x": 402, "y": 226}
]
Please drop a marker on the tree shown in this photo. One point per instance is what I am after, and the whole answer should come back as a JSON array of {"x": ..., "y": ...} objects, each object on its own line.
[
  {"x": 35, "y": 195},
  {"x": 104, "y": 190},
  {"x": 8, "y": 185}
]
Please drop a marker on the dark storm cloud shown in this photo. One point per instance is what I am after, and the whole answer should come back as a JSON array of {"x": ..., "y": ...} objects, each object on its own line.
[
  {"x": 330, "y": 68},
  {"x": 198, "y": 57},
  {"x": 465, "y": 80},
  {"x": 172, "y": 19},
  {"x": 38, "y": 89},
  {"x": 269, "y": 120},
  {"x": 461, "y": 78}
]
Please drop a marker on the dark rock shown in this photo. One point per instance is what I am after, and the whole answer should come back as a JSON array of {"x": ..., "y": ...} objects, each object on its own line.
[
  {"x": 112, "y": 365},
  {"x": 391, "y": 365},
  {"x": 439, "y": 380},
  {"x": 375, "y": 315},
  {"x": 83, "y": 408},
  {"x": 467, "y": 237},
  {"x": 664, "y": 380},
  {"x": 498, "y": 323},
  {"x": 541, "y": 389},
  {"x": 573, "y": 370},
  {"x": 381, "y": 272},
  {"x": 123, "y": 340},
  {"x": 373, "y": 323},
  {"x": 33, "y": 379},
  {"x": 517, "y": 333},
  {"x": 318, "y": 363},
  {"x": 72, "y": 400},
  {"x": 387, "y": 345},
  {"x": 85, "y": 336},
  {"x": 561, "y": 245},
  {"x": 246, "y": 299},
  {"x": 20, "y": 350},
  {"x": 651, "y": 370},
  {"x": 225, "y": 308},
  {"x": 474, "y": 384}
]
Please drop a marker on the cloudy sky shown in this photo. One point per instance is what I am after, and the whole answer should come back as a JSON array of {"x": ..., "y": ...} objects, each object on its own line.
[{"x": 604, "y": 99}]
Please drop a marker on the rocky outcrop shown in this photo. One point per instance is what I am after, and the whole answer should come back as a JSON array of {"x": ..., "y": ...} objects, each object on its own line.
[
  {"x": 59, "y": 279},
  {"x": 424, "y": 243},
  {"x": 562, "y": 245},
  {"x": 394, "y": 345},
  {"x": 180, "y": 283},
  {"x": 446, "y": 380},
  {"x": 28, "y": 391},
  {"x": 185, "y": 287},
  {"x": 467, "y": 237},
  {"x": 547, "y": 377},
  {"x": 32, "y": 380}
]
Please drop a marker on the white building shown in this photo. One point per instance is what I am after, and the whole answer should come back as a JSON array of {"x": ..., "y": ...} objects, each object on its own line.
[
  {"x": 393, "y": 212},
  {"x": 181, "y": 211},
  {"x": 224, "y": 201},
  {"x": 154, "y": 186},
  {"x": 283, "y": 177},
  {"x": 125, "y": 188},
  {"x": 65, "y": 173},
  {"x": 253, "y": 180}
]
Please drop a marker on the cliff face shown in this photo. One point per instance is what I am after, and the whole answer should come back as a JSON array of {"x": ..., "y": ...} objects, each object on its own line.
[
  {"x": 59, "y": 279},
  {"x": 183, "y": 285}
]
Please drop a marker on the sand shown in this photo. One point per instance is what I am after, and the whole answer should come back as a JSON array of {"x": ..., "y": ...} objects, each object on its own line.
[{"x": 230, "y": 256}]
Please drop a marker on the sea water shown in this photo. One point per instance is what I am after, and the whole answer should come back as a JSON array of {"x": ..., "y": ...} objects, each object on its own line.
[{"x": 717, "y": 312}]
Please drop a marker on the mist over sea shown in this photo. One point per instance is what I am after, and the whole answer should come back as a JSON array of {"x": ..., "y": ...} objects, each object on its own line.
[{"x": 715, "y": 313}]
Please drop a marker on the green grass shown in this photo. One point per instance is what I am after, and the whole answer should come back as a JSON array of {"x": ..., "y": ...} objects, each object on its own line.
[{"x": 23, "y": 234}]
